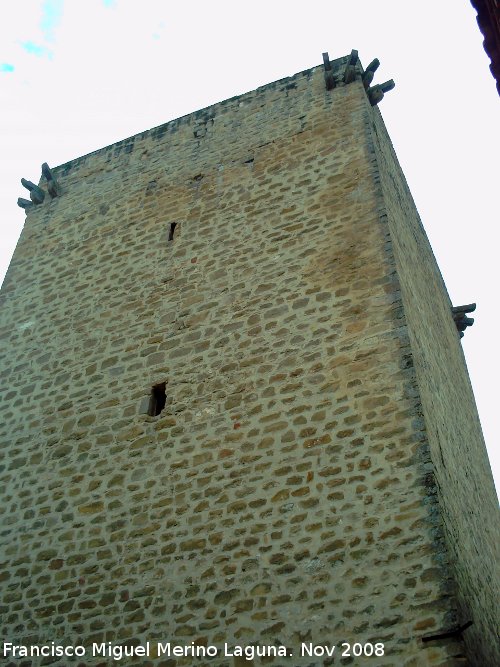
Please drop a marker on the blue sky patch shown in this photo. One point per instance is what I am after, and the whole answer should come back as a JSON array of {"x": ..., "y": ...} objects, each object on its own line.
[
  {"x": 51, "y": 15},
  {"x": 36, "y": 49}
]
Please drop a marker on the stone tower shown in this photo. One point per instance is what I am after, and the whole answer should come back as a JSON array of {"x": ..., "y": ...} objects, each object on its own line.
[{"x": 235, "y": 408}]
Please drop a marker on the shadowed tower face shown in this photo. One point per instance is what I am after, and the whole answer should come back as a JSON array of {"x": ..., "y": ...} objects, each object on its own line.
[{"x": 235, "y": 405}]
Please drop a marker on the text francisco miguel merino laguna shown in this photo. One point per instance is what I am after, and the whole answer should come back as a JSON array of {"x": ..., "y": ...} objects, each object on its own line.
[{"x": 157, "y": 649}]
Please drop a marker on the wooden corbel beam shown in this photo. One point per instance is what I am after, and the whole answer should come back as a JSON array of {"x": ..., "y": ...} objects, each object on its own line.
[
  {"x": 52, "y": 185},
  {"x": 376, "y": 93},
  {"x": 37, "y": 195},
  {"x": 24, "y": 203},
  {"x": 369, "y": 72},
  {"x": 329, "y": 78},
  {"x": 459, "y": 314},
  {"x": 350, "y": 68}
]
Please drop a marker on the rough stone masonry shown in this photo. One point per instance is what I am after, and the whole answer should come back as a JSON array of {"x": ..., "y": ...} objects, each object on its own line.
[{"x": 235, "y": 408}]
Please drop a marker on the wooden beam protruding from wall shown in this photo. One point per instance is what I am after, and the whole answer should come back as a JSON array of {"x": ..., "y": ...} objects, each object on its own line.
[
  {"x": 459, "y": 314},
  {"x": 37, "y": 195},
  {"x": 376, "y": 93},
  {"x": 350, "y": 68},
  {"x": 24, "y": 203},
  {"x": 329, "y": 78},
  {"x": 369, "y": 72},
  {"x": 52, "y": 185}
]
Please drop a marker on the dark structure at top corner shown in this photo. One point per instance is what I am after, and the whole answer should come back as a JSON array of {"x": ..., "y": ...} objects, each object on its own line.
[{"x": 488, "y": 19}]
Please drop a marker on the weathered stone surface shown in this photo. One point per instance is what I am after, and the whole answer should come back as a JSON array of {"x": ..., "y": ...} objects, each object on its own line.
[
  {"x": 316, "y": 473},
  {"x": 461, "y": 475}
]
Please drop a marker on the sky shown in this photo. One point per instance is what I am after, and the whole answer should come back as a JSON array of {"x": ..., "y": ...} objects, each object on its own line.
[{"x": 77, "y": 75}]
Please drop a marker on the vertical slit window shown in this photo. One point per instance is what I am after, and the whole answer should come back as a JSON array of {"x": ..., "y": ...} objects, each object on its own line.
[
  {"x": 173, "y": 225},
  {"x": 158, "y": 399}
]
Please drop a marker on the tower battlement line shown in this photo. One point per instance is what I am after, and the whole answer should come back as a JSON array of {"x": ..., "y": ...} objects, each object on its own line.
[{"x": 235, "y": 408}]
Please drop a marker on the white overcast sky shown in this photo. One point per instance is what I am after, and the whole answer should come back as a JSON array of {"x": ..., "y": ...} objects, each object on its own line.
[{"x": 76, "y": 75}]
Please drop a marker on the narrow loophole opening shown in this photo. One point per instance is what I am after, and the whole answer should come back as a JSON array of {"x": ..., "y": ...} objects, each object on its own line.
[
  {"x": 158, "y": 399},
  {"x": 173, "y": 225}
]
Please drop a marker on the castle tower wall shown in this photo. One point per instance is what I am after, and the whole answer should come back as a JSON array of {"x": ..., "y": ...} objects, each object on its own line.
[
  {"x": 286, "y": 492},
  {"x": 457, "y": 455}
]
